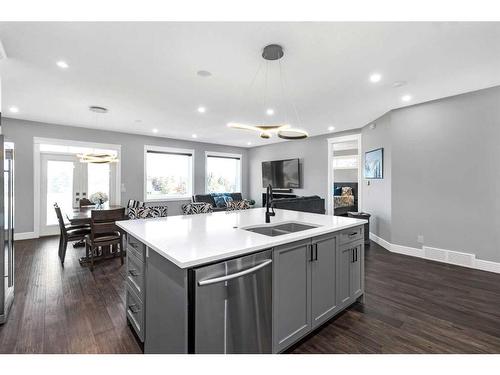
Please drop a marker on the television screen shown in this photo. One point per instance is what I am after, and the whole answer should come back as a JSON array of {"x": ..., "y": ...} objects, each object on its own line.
[{"x": 281, "y": 174}]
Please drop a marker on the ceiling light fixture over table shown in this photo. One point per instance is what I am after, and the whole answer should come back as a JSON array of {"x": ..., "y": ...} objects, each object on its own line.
[
  {"x": 284, "y": 130},
  {"x": 101, "y": 157}
]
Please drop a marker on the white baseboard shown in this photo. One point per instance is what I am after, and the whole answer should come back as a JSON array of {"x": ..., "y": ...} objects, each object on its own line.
[
  {"x": 24, "y": 236},
  {"x": 439, "y": 255}
]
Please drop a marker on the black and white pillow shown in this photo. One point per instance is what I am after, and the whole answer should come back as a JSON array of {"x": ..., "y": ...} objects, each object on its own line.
[
  {"x": 196, "y": 208},
  {"x": 238, "y": 205},
  {"x": 147, "y": 212}
]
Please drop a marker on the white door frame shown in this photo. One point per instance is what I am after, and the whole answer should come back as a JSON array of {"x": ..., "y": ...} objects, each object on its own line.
[
  {"x": 46, "y": 230},
  {"x": 331, "y": 177},
  {"x": 37, "y": 141}
]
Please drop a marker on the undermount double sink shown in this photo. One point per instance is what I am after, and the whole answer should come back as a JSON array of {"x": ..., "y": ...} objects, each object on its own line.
[{"x": 280, "y": 229}]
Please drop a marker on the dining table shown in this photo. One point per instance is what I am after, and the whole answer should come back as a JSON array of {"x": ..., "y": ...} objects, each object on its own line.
[{"x": 82, "y": 216}]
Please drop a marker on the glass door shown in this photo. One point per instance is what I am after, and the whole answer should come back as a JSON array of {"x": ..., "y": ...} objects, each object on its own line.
[
  {"x": 65, "y": 180},
  {"x": 59, "y": 184}
]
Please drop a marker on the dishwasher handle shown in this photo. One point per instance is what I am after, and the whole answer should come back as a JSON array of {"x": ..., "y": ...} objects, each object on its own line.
[{"x": 234, "y": 275}]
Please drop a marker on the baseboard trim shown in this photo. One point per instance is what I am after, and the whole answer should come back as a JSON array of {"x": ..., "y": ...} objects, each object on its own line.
[
  {"x": 24, "y": 236},
  {"x": 456, "y": 258}
]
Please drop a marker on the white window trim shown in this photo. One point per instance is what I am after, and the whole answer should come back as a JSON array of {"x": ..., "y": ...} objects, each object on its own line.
[
  {"x": 168, "y": 150},
  {"x": 227, "y": 155}
]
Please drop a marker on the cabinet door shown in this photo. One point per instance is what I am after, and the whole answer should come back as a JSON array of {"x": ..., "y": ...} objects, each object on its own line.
[
  {"x": 345, "y": 257},
  {"x": 356, "y": 271},
  {"x": 291, "y": 293},
  {"x": 324, "y": 301}
]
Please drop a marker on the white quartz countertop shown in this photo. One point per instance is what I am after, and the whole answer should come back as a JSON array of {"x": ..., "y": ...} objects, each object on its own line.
[{"x": 189, "y": 241}]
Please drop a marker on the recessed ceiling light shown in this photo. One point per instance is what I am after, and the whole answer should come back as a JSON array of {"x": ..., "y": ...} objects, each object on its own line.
[
  {"x": 194, "y": 136},
  {"x": 204, "y": 73},
  {"x": 155, "y": 130},
  {"x": 406, "y": 98},
  {"x": 14, "y": 109},
  {"x": 375, "y": 77},
  {"x": 62, "y": 64},
  {"x": 249, "y": 143},
  {"x": 269, "y": 111},
  {"x": 331, "y": 128},
  {"x": 202, "y": 109}
]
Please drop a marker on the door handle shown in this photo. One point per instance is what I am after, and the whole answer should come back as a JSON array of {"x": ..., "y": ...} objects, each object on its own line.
[
  {"x": 315, "y": 251},
  {"x": 352, "y": 250},
  {"x": 311, "y": 253},
  {"x": 235, "y": 275}
]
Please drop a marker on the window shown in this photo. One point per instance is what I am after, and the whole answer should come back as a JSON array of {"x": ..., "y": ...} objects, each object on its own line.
[
  {"x": 168, "y": 173},
  {"x": 223, "y": 173},
  {"x": 345, "y": 162}
]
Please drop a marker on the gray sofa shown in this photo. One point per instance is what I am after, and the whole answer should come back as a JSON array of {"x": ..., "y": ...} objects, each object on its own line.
[{"x": 207, "y": 198}]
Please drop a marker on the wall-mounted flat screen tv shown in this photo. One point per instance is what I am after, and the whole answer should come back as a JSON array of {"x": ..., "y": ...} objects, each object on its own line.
[{"x": 281, "y": 174}]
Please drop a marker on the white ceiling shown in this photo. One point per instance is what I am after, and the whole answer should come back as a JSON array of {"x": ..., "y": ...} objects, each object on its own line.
[{"x": 147, "y": 72}]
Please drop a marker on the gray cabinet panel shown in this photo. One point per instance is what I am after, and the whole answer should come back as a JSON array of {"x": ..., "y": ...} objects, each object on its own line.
[
  {"x": 166, "y": 307},
  {"x": 356, "y": 271},
  {"x": 324, "y": 282},
  {"x": 291, "y": 293},
  {"x": 344, "y": 260}
]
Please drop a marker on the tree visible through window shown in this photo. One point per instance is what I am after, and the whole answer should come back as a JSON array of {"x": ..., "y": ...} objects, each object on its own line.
[
  {"x": 168, "y": 175},
  {"x": 223, "y": 173}
]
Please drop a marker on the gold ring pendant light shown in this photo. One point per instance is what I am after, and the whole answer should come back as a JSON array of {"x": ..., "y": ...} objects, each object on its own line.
[{"x": 274, "y": 52}]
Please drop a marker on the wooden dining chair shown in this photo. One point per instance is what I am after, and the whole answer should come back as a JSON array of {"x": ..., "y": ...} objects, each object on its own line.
[
  {"x": 104, "y": 233},
  {"x": 85, "y": 202},
  {"x": 68, "y": 233}
]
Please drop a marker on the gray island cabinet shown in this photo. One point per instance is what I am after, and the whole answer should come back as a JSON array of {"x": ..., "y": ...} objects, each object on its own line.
[{"x": 311, "y": 277}]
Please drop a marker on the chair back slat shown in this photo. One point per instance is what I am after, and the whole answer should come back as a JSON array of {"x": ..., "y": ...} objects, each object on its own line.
[
  {"x": 60, "y": 219},
  {"x": 103, "y": 221},
  {"x": 85, "y": 202}
]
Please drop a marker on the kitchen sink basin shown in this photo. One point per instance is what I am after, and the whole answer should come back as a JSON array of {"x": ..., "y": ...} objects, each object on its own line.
[{"x": 280, "y": 229}]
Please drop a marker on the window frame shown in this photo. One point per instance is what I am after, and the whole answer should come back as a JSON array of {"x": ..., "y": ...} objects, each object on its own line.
[
  {"x": 168, "y": 150},
  {"x": 224, "y": 155}
]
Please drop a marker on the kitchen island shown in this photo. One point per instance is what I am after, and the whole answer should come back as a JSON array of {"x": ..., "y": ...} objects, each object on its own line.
[{"x": 226, "y": 282}]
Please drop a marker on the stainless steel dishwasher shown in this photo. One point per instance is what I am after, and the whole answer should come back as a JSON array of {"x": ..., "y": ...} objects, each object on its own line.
[{"x": 233, "y": 306}]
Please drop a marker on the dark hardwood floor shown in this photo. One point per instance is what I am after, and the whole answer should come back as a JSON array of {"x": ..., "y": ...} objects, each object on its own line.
[
  {"x": 412, "y": 306},
  {"x": 66, "y": 310}
]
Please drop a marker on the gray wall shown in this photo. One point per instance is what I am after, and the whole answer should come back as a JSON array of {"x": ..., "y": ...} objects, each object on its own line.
[
  {"x": 377, "y": 195},
  {"x": 313, "y": 154},
  {"x": 446, "y": 174},
  {"x": 442, "y": 175},
  {"x": 132, "y": 161}
]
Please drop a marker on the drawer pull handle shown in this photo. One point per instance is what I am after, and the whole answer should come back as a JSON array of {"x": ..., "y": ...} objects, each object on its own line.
[
  {"x": 133, "y": 245},
  {"x": 134, "y": 308},
  {"x": 353, "y": 234},
  {"x": 134, "y": 273}
]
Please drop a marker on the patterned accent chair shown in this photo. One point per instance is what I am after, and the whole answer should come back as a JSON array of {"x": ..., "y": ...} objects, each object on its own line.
[
  {"x": 238, "y": 205},
  {"x": 134, "y": 213},
  {"x": 195, "y": 208},
  {"x": 135, "y": 204}
]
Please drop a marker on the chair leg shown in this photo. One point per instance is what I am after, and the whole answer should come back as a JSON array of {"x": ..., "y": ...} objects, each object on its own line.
[
  {"x": 63, "y": 249},
  {"x": 121, "y": 251},
  {"x": 91, "y": 258},
  {"x": 59, "y": 253}
]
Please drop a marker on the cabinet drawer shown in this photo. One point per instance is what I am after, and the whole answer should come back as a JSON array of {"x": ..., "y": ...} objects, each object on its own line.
[
  {"x": 350, "y": 235},
  {"x": 135, "y": 275},
  {"x": 136, "y": 247},
  {"x": 135, "y": 313}
]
